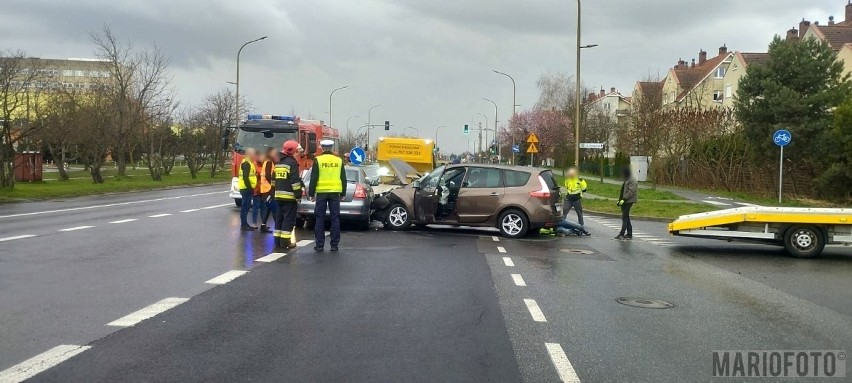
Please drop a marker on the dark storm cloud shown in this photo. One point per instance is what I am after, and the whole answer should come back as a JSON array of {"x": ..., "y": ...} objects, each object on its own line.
[{"x": 428, "y": 62}]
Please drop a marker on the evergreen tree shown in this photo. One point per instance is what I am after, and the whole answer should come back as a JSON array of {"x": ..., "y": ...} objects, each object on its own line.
[{"x": 796, "y": 89}]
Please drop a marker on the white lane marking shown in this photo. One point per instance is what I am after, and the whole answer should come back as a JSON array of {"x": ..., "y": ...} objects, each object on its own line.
[
  {"x": 217, "y": 206},
  {"x": 519, "y": 280},
  {"x": 189, "y": 210},
  {"x": 508, "y": 262},
  {"x": 16, "y": 237},
  {"x": 148, "y": 312},
  {"x": 76, "y": 228},
  {"x": 304, "y": 243},
  {"x": 643, "y": 236},
  {"x": 717, "y": 203},
  {"x": 495, "y": 239},
  {"x": 563, "y": 365},
  {"x": 124, "y": 220},
  {"x": 226, "y": 277},
  {"x": 159, "y": 215},
  {"x": 535, "y": 311},
  {"x": 653, "y": 239},
  {"x": 106, "y": 205},
  {"x": 272, "y": 257},
  {"x": 501, "y": 249},
  {"x": 41, "y": 362}
]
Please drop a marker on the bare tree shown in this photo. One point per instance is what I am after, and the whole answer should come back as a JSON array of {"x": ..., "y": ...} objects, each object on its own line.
[
  {"x": 18, "y": 74},
  {"x": 646, "y": 122},
  {"x": 214, "y": 115},
  {"x": 138, "y": 83}
]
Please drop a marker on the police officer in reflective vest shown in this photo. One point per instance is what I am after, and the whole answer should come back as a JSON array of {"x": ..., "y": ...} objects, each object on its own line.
[
  {"x": 576, "y": 186},
  {"x": 327, "y": 187},
  {"x": 288, "y": 191},
  {"x": 247, "y": 182}
]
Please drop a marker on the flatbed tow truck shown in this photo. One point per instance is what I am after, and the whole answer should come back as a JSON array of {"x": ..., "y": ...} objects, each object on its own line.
[{"x": 804, "y": 232}]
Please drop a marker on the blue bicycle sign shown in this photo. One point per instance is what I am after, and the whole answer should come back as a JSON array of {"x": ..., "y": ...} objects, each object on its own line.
[{"x": 782, "y": 137}]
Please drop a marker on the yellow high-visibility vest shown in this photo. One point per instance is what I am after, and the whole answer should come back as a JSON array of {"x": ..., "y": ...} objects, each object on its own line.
[
  {"x": 265, "y": 184},
  {"x": 575, "y": 186},
  {"x": 329, "y": 167},
  {"x": 252, "y": 176}
]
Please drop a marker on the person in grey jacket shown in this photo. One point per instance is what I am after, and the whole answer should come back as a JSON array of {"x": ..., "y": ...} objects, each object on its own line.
[{"x": 629, "y": 195}]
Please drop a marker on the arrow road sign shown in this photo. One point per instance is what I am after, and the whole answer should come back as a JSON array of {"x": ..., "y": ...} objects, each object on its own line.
[
  {"x": 782, "y": 137},
  {"x": 356, "y": 156},
  {"x": 591, "y": 145},
  {"x": 516, "y": 148}
]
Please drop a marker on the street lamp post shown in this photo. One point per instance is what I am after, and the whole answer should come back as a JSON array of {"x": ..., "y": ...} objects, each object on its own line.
[
  {"x": 350, "y": 119},
  {"x": 331, "y": 116},
  {"x": 514, "y": 109},
  {"x": 369, "y": 123},
  {"x": 237, "y": 84},
  {"x": 578, "y": 118},
  {"x": 416, "y": 131},
  {"x": 436, "y": 134},
  {"x": 496, "y": 132},
  {"x": 480, "y": 132}
]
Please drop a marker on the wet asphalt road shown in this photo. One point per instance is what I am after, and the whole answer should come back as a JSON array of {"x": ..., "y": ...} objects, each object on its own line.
[{"x": 435, "y": 305}]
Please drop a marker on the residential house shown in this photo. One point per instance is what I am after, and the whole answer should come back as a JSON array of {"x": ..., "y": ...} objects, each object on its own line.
[
  {"x": 697, "y": 85},
  {"x": 615, "y": 107},
  {"x": 736, "y": 71},
  {"x": 838, "y": 36}
]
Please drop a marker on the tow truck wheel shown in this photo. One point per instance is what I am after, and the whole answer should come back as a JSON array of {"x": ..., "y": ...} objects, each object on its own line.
[
  {"x": 399, "y": 218},
  {"x": 804, "y": 241},
  {"x": 238, "y": 202}
]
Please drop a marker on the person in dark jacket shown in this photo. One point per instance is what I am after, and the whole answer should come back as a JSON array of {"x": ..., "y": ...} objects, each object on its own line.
[
  {"x": 288, "y": 192},
  {"x": 629, "y": 195}
]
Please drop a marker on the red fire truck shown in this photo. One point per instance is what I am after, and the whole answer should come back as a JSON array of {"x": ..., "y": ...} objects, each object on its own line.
[{"x": 260, "y": 131}]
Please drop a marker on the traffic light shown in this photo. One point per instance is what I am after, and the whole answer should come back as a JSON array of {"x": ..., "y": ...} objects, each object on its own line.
[
  {"x": 466, "y": 129},
  {"x": 387, "y": 125}
]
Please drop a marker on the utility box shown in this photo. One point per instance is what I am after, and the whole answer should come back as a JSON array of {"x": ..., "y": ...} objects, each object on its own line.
[
  {"x": 28, "y": 167},
  {"x": 639, "y": 167}
]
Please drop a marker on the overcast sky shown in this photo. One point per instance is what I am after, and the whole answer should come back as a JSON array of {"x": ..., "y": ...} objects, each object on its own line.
[{"x": 427, "y": 62}]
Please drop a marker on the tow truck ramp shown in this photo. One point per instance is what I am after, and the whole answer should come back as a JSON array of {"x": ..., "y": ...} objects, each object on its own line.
[{"x": 804, "y": 232}]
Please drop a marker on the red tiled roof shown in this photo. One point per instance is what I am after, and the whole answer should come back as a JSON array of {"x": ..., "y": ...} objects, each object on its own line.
[
  {"x": 835, "y": 35},
  {"x": 754, "y": 58},
  {"x": 689, "y": 78}
]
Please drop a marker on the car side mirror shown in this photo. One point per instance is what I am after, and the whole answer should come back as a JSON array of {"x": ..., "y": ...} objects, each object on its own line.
[
  {"x": 374, "y": 182},
  {"x": 416, "y": 184},
  {"x": 312, "y": 143}
]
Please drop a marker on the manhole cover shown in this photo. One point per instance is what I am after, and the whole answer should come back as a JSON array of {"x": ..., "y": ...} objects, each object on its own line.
[
  {"x": 645, "y": 303},
  {"x": 577, "y": 251}
]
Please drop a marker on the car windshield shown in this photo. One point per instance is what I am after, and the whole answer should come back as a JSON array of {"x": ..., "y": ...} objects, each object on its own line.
[{"x": 252, "y": 139}]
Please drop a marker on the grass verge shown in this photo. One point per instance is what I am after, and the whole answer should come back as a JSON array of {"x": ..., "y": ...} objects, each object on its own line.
[
  {"x": 608, "y": 190},
  {"x": 648, "y": 208},
  {"x": 82, "y": 186}
]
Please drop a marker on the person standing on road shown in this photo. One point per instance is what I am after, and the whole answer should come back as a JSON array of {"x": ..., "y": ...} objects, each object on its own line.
[
  {"x": 247, "y": 182},
  {"x": 574, "y": 199},
  {"x": 629, "y": 196},
  {"x": 328, "y": 185},
  {"x": 266, "y": 183},
  {"x": 288, "y": 192}
]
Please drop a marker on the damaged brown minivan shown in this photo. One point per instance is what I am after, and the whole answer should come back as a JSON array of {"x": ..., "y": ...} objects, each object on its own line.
[{"x": 513, "y": 199}]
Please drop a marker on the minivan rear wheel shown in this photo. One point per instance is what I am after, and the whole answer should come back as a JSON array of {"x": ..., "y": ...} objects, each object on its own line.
[
  {"x": 399, "y": 218},
  {"x": 513, "y": 223}
]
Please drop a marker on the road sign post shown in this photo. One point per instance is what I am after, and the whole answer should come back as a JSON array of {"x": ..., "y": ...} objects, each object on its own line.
[{"x": 781, "y": 138}]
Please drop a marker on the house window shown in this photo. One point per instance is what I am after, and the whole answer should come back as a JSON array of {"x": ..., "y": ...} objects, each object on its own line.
[
  {"x": 718, "y": 96},
  {"x": 729, "y": 91},
  {"x": 720, "y": 72},
  {"x": 607, "y": 106},
  {"x": 67, "y": 73}
]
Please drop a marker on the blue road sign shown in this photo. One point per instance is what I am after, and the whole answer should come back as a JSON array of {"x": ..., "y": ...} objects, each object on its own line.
[
  {"x": 516, "y": 148},
  {"x": 782, "y": 137},
  {"x": 357, "y": 156}
]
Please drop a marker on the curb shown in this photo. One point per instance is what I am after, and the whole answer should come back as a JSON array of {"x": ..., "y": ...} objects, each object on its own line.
[
  {"x": 636, "y": 217},
  {"x": 48, "y": 199}
]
